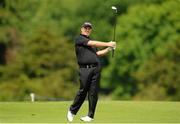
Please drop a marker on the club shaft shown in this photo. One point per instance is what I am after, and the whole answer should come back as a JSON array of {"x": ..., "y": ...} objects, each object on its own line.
[{"x": 114, "y": 35}]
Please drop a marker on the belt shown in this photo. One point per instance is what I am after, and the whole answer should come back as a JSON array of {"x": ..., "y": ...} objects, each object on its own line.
[{"x": 88, "y": 66}]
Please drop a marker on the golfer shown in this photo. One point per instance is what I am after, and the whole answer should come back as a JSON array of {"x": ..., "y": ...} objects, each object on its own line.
[{"x": 89, "y": 71}]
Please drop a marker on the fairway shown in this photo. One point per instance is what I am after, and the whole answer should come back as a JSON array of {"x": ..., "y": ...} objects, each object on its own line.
[{"x": 107, "y": 112}]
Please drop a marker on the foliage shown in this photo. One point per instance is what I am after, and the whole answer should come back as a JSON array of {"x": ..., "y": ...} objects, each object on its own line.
[
  {"x": 146, "y": 59},
  {"x": 37, "y": 51}
]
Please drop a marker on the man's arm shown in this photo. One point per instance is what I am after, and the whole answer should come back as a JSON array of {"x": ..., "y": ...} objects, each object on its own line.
[
  {"x": 101, "y": 44},
  {"x": 104, "y": 51}
]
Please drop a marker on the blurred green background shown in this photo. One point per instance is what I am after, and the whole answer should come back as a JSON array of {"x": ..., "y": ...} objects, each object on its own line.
[{"x": 37, "y": 49}]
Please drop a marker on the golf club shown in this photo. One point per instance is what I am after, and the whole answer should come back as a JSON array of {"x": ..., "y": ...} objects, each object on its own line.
[{"x": 114, "y": 33}]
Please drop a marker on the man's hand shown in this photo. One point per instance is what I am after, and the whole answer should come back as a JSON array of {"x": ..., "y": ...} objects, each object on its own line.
[
  {"x": 109, "y": 49},
  {"x": 112, "y": 44}
]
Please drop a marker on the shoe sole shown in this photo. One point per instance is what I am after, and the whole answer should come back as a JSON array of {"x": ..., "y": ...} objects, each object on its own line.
[{"x": 86, "y": 121}]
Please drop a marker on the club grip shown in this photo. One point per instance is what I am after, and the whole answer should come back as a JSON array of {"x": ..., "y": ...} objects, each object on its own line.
[{"x": 112, "y": 52}]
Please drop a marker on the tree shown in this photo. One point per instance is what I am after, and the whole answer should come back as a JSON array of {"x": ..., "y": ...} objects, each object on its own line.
[
  {"x": 36, "y": 57},
  {"x": 143, "y": 36}
]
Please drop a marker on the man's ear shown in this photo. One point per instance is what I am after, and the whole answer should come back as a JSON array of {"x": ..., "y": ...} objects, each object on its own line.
[{"x": 81, "y": 29}]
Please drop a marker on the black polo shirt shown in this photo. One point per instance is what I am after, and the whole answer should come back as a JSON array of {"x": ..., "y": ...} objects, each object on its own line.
[{"x": 85, "y": 54}]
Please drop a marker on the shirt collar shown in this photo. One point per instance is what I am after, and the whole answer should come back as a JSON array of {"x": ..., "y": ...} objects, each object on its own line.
[{"x": 84, "y": 35}]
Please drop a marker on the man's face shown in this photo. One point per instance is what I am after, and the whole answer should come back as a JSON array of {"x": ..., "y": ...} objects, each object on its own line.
[{"x": 86, "y": 31}]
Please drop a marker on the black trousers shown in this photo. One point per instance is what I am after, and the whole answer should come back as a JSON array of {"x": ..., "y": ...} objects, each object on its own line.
[{"x": 89, "y": 84}]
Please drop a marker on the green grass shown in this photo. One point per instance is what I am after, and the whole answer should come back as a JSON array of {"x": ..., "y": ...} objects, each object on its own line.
[{"x": 107, "y": 112}]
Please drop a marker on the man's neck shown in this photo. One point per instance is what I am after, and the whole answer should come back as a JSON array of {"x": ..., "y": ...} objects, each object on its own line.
[{"x": 85, "y": 35}]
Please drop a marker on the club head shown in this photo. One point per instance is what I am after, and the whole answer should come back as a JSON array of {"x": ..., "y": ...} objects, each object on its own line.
[{"x": 114, "y": 8}]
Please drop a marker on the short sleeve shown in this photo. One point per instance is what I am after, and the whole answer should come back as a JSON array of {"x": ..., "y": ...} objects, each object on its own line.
[{"x": 81, "y": 41}]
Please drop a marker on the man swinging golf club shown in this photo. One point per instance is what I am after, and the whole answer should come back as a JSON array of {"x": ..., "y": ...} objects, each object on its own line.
[{"x": 89, "y": 71}]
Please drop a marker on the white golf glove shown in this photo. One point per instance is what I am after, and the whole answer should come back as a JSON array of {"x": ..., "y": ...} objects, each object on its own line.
[{"x": 114, "y": 45}]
